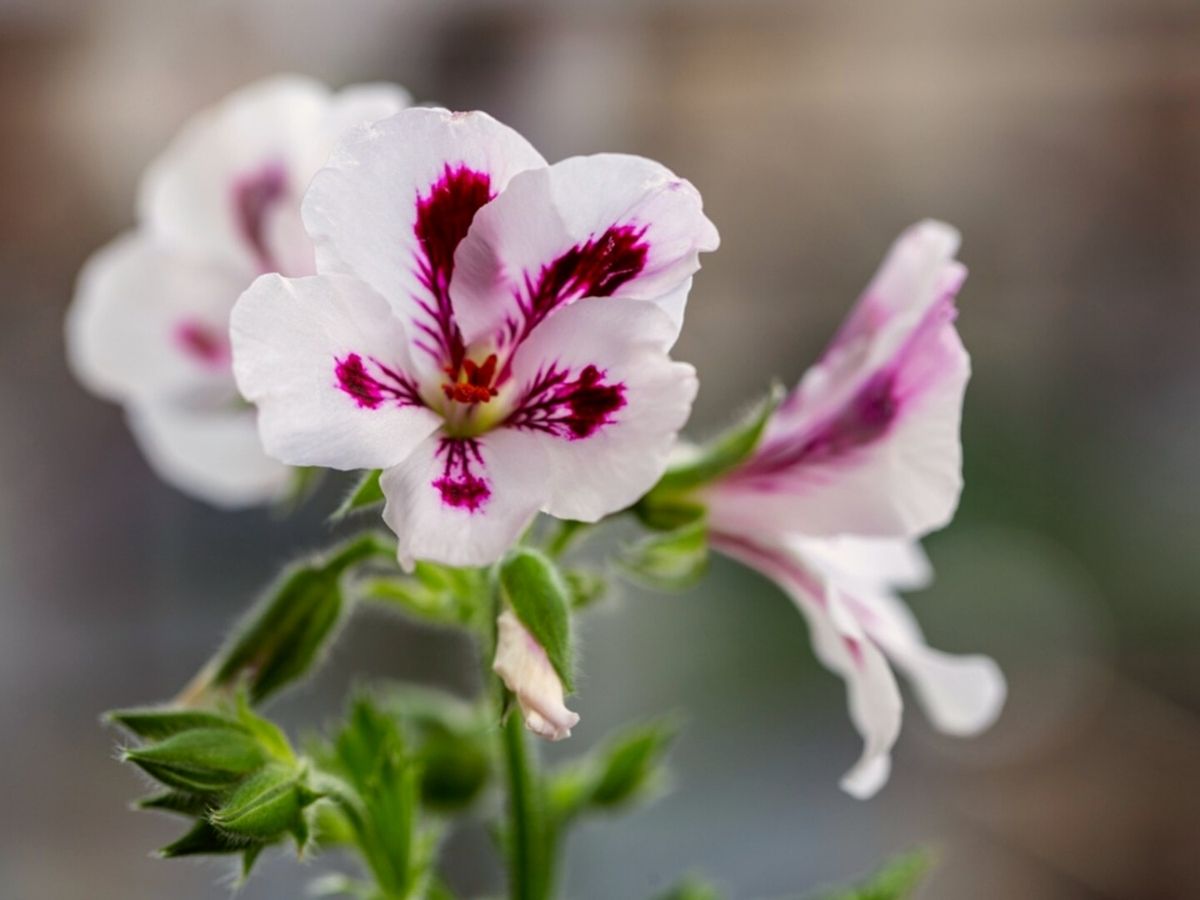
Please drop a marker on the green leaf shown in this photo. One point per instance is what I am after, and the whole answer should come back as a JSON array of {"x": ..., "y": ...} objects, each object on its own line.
[
  {"x": 270, "y": 736},
  {"x": 897, "y": 880},
  {"x": 153, "y": 723},
  {"x": 264, "y": 807},
  {"x": 204, "y": 839},
  {"x": 669, "y": 561},
  {"x": 535, "y": 590},
  {"x": 200, "y": 760},
  {"x": 365, "y": 494},
  {"x": 628, "y": 768},
  {"x": 726, "y": 452}
]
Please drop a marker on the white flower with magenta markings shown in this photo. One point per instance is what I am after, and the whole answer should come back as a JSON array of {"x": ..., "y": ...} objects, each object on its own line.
[
  {"x": 858, "y": 462},
  {"x": 489, "y": 330},
  {"x": 149, "y": 326}
]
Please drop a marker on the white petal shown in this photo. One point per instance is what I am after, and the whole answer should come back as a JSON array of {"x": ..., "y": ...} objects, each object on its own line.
[
  {"x": 607, "y": 443},
  {"x": 525, "y": 669},
  {"x": 189, "y": 196},
  {"x": 841, "y": 644},
  {"x": 591, "y": 226},
  {"x": 962, "y": 695},
  {"x": 397, "y": 198},
  {"x": 327, "y": 364},
  {"x": 869, "y": 443},
  {"x": 464, "y": 502},
  {"x": 214, "y": 455},
  {"x": 147, "y": 324},
  {"x": 870, "y": 563}
]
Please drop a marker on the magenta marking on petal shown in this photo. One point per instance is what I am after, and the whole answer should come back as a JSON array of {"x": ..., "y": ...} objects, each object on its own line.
[
  {"x": 596, "y": 268},
  {"x": 566, "y": 408},
  {"x": 254, "y": 195},
  {"x": 459, "y": 486},
  {"x": 203, "y": 343},
  {"x": 443, "y": 217},
  {"x": 862, "y": 421},
  {"x": 370, "y": 391}
]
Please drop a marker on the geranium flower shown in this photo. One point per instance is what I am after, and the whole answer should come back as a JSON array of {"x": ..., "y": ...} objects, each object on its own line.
[
  {"x": 149, "y": 324},
  {"x": 860, "y": 460},
  {"x": 489, "y": 330}
]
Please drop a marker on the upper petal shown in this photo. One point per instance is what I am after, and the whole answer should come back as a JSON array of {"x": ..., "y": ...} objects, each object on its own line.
[
  {"x": 146, "y": 323},
  {"x": 597, "y": 393},
  {"x": 327, "y": 363},
  {"x": 212, "y": 454},
  {"x": 869, "y": 442},
  {"x": 396, "y": 199},
  {"x": 229, "y": 186},
  {"x": 609, "y": 225},
  {"x": 463, "y": 501}
]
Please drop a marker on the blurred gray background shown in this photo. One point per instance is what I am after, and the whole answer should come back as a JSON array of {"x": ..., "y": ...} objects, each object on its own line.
[{"x": 1061, "y": 136}]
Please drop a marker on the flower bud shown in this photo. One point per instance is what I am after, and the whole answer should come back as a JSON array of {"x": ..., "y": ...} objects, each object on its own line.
[{"x": 526, "y": 670}]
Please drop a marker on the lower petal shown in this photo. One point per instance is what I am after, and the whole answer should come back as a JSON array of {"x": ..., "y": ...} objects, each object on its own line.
[
  {"x": 213, "y": 455},
  {"x": 842, "y": 645},
  {"x": 464, "y": 501}
]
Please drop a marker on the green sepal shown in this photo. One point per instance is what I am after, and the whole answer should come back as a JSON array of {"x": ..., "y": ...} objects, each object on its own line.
[
  {"x": 627, "y": 769},
  {"x": 724, "y": 453},
  {"x": 534, "y": 588},
  {"x": 286, "y": 633},
  {"x": 155, "y": 723},
  {"x": 896, "y": 880},
  {"x": 182, "y": 803},
  {"x": 669, "y": 561},
  {"x": 267, "y": 805},
  {"x": 201, "y": 760},
  {"x": 366, "y": 493},
  {"x": 202, "y": 840}
]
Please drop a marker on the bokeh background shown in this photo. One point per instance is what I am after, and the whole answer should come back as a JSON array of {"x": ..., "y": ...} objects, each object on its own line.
[{"x": 1061, "y": 136}]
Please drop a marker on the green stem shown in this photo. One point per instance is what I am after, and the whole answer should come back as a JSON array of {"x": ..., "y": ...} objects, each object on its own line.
[{"x": 527, "y": 857}]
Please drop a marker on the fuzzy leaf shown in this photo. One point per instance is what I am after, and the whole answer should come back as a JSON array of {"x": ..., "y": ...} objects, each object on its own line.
[
  {"x": 537, "y": 593},
  {"x": 669, "y": 561}
]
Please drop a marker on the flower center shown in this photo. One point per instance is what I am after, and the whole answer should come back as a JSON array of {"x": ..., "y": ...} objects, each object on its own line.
[{"x": 471, "y": 382}]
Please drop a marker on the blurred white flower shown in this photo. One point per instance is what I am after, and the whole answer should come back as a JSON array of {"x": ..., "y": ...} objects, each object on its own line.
[
  {"x": 149, "y": 324},
  {"x": 526, "y": 670},
  {"x": 863, "y": 458},
  {"x": 489, "y": 330}
]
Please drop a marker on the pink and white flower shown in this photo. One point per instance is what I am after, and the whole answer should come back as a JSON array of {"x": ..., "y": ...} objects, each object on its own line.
[
  {"x": 149, "y": 325},
  {"x": 489, "y": 330},
  {"x": 526, "y": 670},
  {"x": 860, "y": 460}
]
